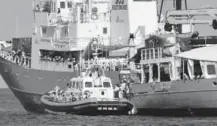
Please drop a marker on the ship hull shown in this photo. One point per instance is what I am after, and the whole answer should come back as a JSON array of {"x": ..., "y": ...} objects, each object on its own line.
[
  {"x": 91, "y": 106},
  {"x": 28, "y": 85},
  {"x": 190, "y": 97},
  {"x": 193, "y": 97}
]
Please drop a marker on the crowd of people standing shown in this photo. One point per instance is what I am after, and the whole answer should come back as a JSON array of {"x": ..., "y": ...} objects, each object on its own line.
[{"x": 18, "y": 57}]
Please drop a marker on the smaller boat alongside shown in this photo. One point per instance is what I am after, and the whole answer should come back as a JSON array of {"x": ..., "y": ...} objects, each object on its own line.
[{"x": 90, "y": 94}]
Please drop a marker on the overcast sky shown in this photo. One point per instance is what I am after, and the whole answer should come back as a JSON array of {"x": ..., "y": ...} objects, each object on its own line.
[{"x": 10, "y": 8}]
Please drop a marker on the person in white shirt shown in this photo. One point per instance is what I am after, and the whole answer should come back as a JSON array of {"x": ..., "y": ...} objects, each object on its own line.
[
  {"x": 116, "y": 90},
  {"x": 122, "y": 91},
  {"x": 68, "y": 93}
]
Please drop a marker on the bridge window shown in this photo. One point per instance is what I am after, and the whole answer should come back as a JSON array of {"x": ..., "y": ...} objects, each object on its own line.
[
  {"x": 69, "y": 84},
  {"x": 69, "y": 4},
  {"x": 73, "y": 84},
  {"x": 105, "y": 30},
  {"x": 106, "y": 84},
  {"x": 81, "y": 84},
  {"x": 66, "y": 32},
  {"x": 88, "y": 84},
  {"x": 62, "y": 5},
  {"x": 77, "y": 85},
  {"x": 211, "y": 69},
  {"x": 44, "y": 30}
]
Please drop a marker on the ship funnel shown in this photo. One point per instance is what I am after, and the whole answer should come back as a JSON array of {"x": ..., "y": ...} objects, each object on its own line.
[
  {"x": 119, "y": 22},
  {"x": 128, "y": 15}
]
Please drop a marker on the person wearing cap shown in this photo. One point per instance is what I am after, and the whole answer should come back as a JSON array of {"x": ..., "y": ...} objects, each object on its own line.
[{"x": 116, "y": 90}]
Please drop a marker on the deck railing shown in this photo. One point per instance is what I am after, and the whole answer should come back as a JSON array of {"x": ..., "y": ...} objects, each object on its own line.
[
  {"x": 24, "y": 61},
  {"x": 64, "y": 42},
  {"x": 69, "y": 66},
  {"x": 151, "y": 53},
  {"x": 107, "y": 64}
]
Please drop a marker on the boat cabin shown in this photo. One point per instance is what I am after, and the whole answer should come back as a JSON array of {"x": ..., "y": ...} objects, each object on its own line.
[
  {"x": 157, "y": 67},
  {"x": 100, "y": 87},
  {"x": 199, "y": 63}
]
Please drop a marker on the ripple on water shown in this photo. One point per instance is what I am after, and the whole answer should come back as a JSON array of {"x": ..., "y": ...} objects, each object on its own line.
[{"x": 13, "y": 114}]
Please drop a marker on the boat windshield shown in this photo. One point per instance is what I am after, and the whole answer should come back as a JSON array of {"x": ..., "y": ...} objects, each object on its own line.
[
  {"x": 88, "y": 84},
  {"x": 106, "y": 84}
]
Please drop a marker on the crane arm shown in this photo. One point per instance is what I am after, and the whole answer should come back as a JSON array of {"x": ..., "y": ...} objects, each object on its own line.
[
  {"x": 192, "y": 12},
  {"x": 188, "y": 16}
]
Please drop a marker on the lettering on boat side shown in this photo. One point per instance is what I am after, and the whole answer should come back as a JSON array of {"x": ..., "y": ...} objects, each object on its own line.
[
  {"x": 119, "y": 20},
  {"x": 119, "y": 2},
  {"x": 107, "y": 108},
  {"x": 59, "y": 46},
  {"x": 119, "y": 5}
]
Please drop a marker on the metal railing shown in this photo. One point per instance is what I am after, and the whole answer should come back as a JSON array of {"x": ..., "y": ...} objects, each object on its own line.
[
  {"x": 54, "y": 18},
  {"x": 64, "y": 42},
  {"x": 151, "y": 53},
  {"x": 20, "y": 60},
  {"x": 107, "y": 65}
]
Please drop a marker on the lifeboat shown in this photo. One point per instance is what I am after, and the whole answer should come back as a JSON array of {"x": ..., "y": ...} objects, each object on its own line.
[{"x": 92, "y": 94}]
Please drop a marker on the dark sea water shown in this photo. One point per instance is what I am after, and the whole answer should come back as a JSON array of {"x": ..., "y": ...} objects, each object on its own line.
[{"x": 13, "y": 114}]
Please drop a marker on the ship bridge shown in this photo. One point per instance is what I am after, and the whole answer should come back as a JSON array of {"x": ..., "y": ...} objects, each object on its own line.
[{"x": 157, "y": 66}]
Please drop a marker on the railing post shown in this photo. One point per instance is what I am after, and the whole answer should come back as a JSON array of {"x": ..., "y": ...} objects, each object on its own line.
[
  {"x": 153, "y": 53},
  {"x": 161, "y": 55},
  {"x": 146, "y": 54},
  {"x": 158, "y": 66}
]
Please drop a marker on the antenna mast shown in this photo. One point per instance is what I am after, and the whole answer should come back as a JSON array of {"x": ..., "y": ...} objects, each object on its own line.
[{"x": 16, "y": 26}]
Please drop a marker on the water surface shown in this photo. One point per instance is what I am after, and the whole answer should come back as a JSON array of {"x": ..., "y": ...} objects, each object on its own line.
[{"x": 13, "y": 114}]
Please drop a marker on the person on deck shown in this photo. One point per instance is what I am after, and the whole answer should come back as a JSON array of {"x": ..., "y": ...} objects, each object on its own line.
[
  {"x": 57, "y": 91},
  {"x": 122, "y": 92},
  {"x": 116, "y": 91},
  {"x": 68, "y": 93},
  {"x": 97, "y": 78}
]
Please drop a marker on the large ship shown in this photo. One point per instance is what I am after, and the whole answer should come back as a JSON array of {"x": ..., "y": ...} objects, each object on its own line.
[
  {"x": 65, "y": 33},
  {"x": 178, "y": 77},
  {"x": 61, "y": 37}
]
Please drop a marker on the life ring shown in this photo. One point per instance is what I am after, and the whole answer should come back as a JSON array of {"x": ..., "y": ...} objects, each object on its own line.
[
  {"x": 87, "y": 94},
  {"x": 94, "y": 45},
  {"x": 94, "y": 16}
]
